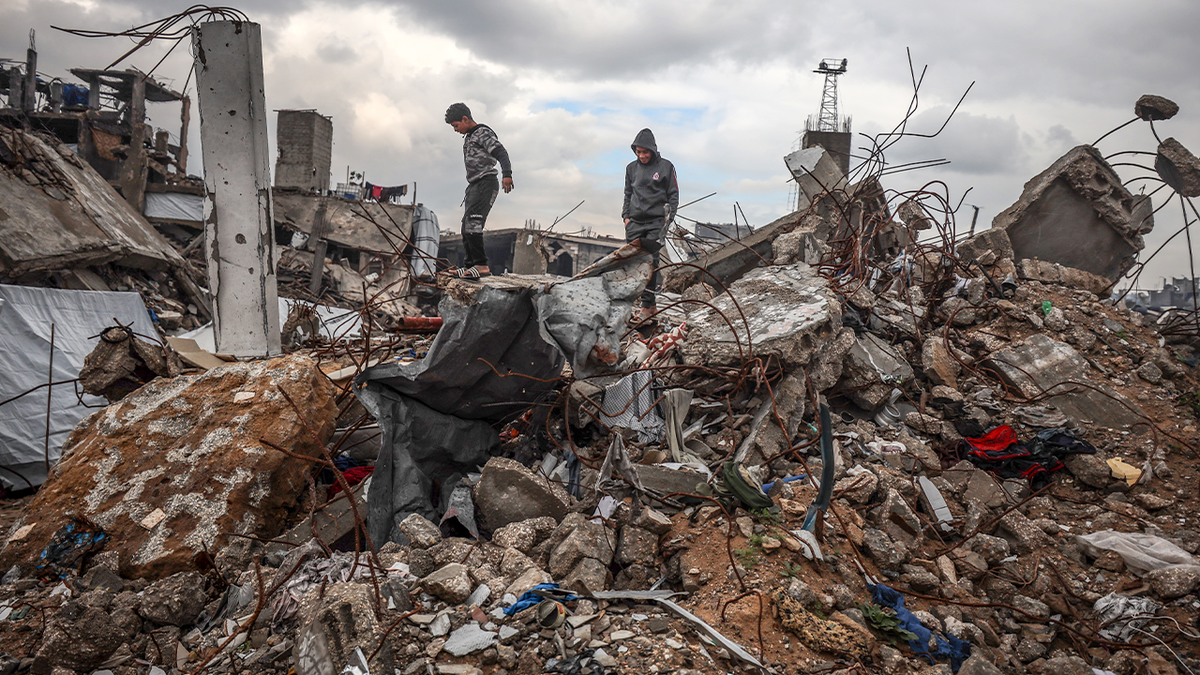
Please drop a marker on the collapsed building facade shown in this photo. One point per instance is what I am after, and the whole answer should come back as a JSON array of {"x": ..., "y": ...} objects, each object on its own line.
[{"x": 851, "y": 441}]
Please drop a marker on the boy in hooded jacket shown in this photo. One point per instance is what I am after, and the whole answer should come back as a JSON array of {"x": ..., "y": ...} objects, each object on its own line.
[{"x": 651, "y": 199}]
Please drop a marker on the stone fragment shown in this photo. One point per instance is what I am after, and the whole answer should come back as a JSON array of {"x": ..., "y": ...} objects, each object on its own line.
[
  {"x": 588, "y": 576},
  {"x": 637, "y": 546},
  {"x": 871, "y": 369},
  {"x": 938, "y": 363},
  {"x": 993, "y": 549},
  {"x": 1151, "y": 373},
  {"x": 1174, "y": 582},
  {"x": 1178, "y": 167},
  {"x": 451, "y": 583},
  {"x": 652, "y": 520},
  {"x": 881, "y": 549},
  {"x": 1026, "y": 535},
  {"x": 1152, "y": 108},
  {"x": 982, "y": 487},
  {"x": 187, "y": 447},
  {"x": 525, "y": 534},
  {"x": 527, "y": 580},
  {"x": 333, "y": 621},
  {"x": 420, "y": 532},
  {"x": 78, "y": 638},
  {"x": 1091, "y": 470},
  {"x": 1054, "y": 274},
  {"x": 1077, "y": 199},
  {"x": 588, "y": 540},
  {"x": 174, "y": 601},
  {"x": 508, "y": 492}
]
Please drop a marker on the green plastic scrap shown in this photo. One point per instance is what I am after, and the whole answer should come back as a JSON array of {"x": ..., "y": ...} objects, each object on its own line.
[{"x": 1047, "y": 307}]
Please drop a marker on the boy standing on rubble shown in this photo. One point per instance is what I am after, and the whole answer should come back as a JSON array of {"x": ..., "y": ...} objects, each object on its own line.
[
  {"x": 481, "y": 151},
  {"x": 651, "y": 199}
]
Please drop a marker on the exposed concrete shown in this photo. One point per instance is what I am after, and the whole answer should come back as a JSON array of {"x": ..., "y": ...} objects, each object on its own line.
[
  {"x": 787, "y": 312},
  {"x": 1057, "y": 275},
  {"x": 1038, "y": 363},
  {"x": 56, "y": 212},
  {"x": 1155, "y": 108},
  {"x": 239, "y": 232},
  {"x": 1078, "y": 200},
  {"x": 726, "y": 264},
  {"x": 816, "y": 172},
  {"x": 871, "y": 369}
]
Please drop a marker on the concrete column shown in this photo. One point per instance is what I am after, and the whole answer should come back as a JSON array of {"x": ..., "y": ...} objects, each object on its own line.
[{"x": 239, "y": 233}]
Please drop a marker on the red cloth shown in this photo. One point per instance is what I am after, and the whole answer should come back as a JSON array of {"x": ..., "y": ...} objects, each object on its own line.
[
  {"x": 995, "y": 440},
  {"x": 353, "y": 476}
]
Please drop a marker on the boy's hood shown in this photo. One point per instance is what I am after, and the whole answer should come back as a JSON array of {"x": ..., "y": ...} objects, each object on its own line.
[{"x": 645, "y": 139}]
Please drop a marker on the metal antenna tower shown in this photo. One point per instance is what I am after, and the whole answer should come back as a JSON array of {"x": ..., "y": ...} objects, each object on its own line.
[{"x": 828, "y": 118}]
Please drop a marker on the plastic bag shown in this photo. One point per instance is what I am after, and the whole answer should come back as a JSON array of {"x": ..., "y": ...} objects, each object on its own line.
[{"x": 1141, "y": 552}]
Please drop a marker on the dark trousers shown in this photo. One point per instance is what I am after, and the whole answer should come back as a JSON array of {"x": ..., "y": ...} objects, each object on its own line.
[
  {"x": 478, "y": 203},
  {"x": 650, "y": 232}
]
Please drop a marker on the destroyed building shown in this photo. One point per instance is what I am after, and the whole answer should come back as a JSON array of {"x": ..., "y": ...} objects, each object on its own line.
[
  {"x": 842, "y": 446},
  {"x": 530, "y": 251}
]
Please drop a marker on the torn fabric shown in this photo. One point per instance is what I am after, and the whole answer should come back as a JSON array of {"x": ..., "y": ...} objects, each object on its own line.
[{"x": 629, "y": 404}]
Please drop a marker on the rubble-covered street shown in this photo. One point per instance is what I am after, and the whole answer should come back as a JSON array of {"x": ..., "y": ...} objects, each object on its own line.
[{"x": 857, "y": 440}]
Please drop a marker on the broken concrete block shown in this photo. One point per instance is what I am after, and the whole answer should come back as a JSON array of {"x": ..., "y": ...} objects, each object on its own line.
[
  {"x": 121, "y": 363},
  {"x": 727, "y": 263},
  {"x": 174, "y": 601},
  {"x": 871, "y": 370},
  {"x": 589, "y": 576},
  {"x": 992, "y": 244},
  {"x": 1178, "y": 167},
  {"x": 420, "y": 532},
  {"x": 1079, "y": 199},
  {"x": 524, "y": 535},
  {"x": 78, "y": 638},
  {"x": 940, "y": 366},
  {"x": 192, "y": 447},
  {"x": 588, "y": 540},
  {"x": 804, "y": 244},
  {"x": 1039, "y": 363},
  {"x": 527, "y": 580},
  {"x": 1153, "y": 108},
  {"x": 816, "y": 173},
  {"x": 507, "y": 492},
  {"x": 788, "y": 312},
  {"x": 451, "y": 583},
  {"x": 1057, "y": 275},
  {"x": 335, "y": 620},
  {"x": 637, "y": 546}
]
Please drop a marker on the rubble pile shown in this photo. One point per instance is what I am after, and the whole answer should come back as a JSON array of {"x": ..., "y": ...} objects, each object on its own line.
[{"x": 842, "y": 449}]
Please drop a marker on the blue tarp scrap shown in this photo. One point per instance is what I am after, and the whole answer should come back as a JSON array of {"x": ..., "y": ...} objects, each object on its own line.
[
  {"x": 532, "y": 597},
  {"x": 952, "y": 648},
  {"x": 71, "y": 543}
]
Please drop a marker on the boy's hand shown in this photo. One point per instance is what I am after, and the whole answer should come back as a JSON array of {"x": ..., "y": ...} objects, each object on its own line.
[
  {"x": 626, "y": 221},
  {"x": 508, "y": 185}
]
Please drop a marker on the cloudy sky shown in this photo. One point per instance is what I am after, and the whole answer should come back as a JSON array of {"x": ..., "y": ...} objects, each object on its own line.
[{"x": 726, "y": 87}]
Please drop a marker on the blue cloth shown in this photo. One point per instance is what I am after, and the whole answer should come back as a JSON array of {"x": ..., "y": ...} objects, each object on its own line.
[
  {"x": 952, "y": 648},
  {"x": 531, "y": 598}
]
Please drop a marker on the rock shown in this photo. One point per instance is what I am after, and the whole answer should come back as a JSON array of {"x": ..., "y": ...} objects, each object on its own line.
[
  {"x": 333, "y": 621},
  {"x": 103, "y": 577},
  {"x": 174, "y": 601},
  {"x": 1027, "y": 536},
  {"x": 653, "y": 521},
  {"x": 191, "y": 447},
  {"x": 881, "y": 549},
  {"x": 507, "y": 492},
  {"x": 939, "y": 365},
  {"x": 978, "y": 664},
  {"x": 587, "y": 540},
  {"x": 993, "y": 549},
  {"x": 451, "y": 583},
  {"x": 1091, "y": 470},
  {"x": 420, "y": 532},
  {"x": 802, "y": 593},
  {"x": 513, "y": 562},
  {"x": 588, "y": 576},
  {"x": 870, "y": 369},
  {"x": 637, "y": 546},
  {"x": 1033, "y": 609},
  {"x": 527, "y": 580},
  {"x": 857, "y": 488},
  {"x": 1178, "y": 167},
  {"x": 982, "y": 488},
  {"x": 524, "y": 535},
  {"x": 1150, "y": 372},
  {"x": 1150, "y": 107},
  {"x": 1056, "y": 320},
  {"x": 1174, "y": 582},
  {"x": 79, "y": 638}
]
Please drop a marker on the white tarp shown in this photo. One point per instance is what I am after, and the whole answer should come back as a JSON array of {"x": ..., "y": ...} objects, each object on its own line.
[
  {"x": 175, "y": 206},
  {"x": 25, "y": 321},
  {"x": 336, "y": 324}
]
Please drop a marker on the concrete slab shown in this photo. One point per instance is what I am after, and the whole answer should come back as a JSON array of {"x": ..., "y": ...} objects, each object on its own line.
[
  {"x": 1039, "y": 363},
  {"x": 1075, "y": 213},
  {"x": 787, "y": 312}
]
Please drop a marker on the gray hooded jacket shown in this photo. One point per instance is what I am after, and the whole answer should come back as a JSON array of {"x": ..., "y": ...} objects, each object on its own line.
[{"x": 649, "y": 187}]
